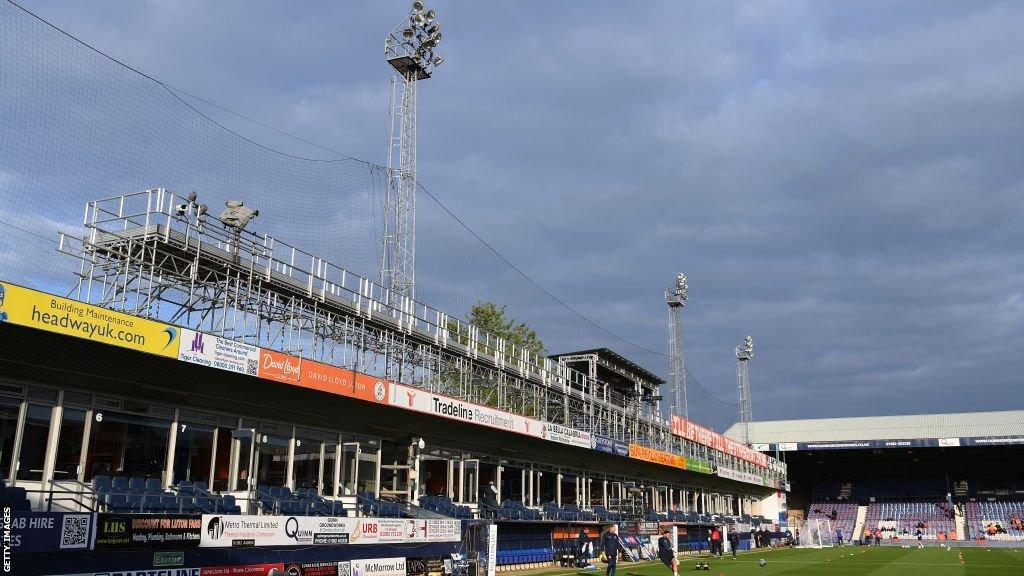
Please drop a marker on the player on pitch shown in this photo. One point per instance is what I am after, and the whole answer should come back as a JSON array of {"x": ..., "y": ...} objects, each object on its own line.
[{"x": 666, "y": 552}]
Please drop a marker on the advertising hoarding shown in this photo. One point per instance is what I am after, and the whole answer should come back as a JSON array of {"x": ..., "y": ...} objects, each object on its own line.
[
  {"x": 34, "y": 309},
  {"x": 50, "y": 531},
  {"x": 153, "y": 531},
  {"x": 610, "y": 445},
  {"x": 566, "y": 435},
  {"x": 219, "y": 353},
  {"x": 453, "y": 409},
  {"x": 222, "y": 531},
  {"x": 646, "y": 454}
]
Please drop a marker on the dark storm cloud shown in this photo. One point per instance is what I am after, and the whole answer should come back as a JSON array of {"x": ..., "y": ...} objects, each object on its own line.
[{"x": 843, "y": 181}]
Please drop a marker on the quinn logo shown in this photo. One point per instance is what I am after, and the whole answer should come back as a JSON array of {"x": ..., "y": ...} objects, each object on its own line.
[
  {"x": 412, "y": 396},
  {"x": 172, "y": 335}
]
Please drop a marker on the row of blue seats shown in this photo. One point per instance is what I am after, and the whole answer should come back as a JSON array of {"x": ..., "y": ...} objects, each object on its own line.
[
  {"x": 121, "y": 494},
  {"x": 516, "y": 510},
  {"x": 373, "y": 506},
  {"x": 302, "y": 502},
  {"x": 444, "y": 505},
  {"x": 606, "y": 515},
  {"x": 525, "y": 556},
  {"x": 570, "y": 512},
  {"x": 14, "y": 496}
]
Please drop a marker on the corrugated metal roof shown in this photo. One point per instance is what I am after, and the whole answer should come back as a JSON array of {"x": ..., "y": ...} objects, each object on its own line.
[{"x": 958, "y": 425}]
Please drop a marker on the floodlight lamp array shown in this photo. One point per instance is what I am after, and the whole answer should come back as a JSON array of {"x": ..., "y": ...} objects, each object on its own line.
[{"x": 417, "y": 37}]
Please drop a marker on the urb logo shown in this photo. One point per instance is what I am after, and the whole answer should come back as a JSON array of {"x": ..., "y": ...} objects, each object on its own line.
[{"x": 215, "y": 528}]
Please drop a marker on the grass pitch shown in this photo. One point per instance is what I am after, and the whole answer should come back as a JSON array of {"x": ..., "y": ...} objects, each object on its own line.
[{"x": 848, "y": 561}]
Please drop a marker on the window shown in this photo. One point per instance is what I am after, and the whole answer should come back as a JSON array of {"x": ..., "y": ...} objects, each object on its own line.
[
  {"x": 33, "y": 443},
  {"x": 69, "y": 445},
  {"x": 307, "y": 463},
  {"x": 222, "y": 460},
  {"x": 127, "y": 445},
  {"x": 193, "y": 449},
  {"x": 9, "y": 409},
  {"x": 330, "y": 453},
  {"x": 272, "y": 467}
]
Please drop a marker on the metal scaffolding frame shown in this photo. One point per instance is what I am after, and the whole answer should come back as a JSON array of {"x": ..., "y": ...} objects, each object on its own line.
[{"x": 147, "y": 254}]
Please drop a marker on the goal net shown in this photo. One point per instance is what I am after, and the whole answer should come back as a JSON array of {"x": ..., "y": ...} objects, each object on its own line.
[{"x": 816, "y": 533}]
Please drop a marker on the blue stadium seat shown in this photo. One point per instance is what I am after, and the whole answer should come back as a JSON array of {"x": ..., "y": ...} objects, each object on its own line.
[
  {"x": 119, "y": 484},
  {"x": 136, "y": 484},
  {"x": 101, "y": 484},
  {"x": 154, "y": 486}
]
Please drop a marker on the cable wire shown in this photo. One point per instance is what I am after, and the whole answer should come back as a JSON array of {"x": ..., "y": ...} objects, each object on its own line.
[{"x": 178, "y": 94}]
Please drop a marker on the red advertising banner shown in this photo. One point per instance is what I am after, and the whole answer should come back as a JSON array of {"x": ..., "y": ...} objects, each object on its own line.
[
  {"x": 246, "y": 570},
  {"x": 279, "y": 367},
  {"x": 327, "y": 378},
  {"x": 324, "y": 377},
  {"x": 371, "y": 389},
  {"x": 701, "y": 435}
]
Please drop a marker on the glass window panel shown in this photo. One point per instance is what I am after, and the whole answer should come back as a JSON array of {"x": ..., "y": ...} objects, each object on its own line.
[
  {"x": 273, "y": 460},
  {"x": 329, "y": 460},
  {"x": 307, "y": 463},
  {"x": 192, "y": 450},
  {"x": 367, "y": 471},
  {"x": 244, "y": 439},
  {"x": 222, "y": 460},
  {"x": 69, "y": 444},
  {"x": 9, "y": 409},
  {"x": 33, "y": 443},
  {"x": 127, "y": 445}
]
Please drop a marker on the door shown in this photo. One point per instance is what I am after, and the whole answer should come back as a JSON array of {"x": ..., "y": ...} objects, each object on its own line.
[{"x": 350, "y": 452}]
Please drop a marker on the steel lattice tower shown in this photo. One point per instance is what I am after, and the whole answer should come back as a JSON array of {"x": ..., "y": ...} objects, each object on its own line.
[
  {"x": 744, "y": 353},
  {"x": 676, "y": 299},
  {"x": 409, "y": 50}
]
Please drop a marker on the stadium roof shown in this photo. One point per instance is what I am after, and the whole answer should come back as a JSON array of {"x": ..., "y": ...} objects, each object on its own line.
[
  {"x": 613, "y": 357},
  {"x": 958, "y": 425}
]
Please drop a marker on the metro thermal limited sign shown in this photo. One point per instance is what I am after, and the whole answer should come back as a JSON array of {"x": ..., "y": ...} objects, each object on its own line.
[{"x": 452, "y": 409}]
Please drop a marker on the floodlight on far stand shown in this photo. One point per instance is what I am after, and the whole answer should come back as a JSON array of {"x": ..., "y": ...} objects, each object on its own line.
[{"x": 410, "y": 46}]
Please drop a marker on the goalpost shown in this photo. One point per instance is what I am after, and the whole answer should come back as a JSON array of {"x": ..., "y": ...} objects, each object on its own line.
[{"x": 816, "y": 533}]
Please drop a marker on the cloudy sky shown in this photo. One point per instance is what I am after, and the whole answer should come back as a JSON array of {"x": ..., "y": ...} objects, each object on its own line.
[{"x": 841, "y": 180}]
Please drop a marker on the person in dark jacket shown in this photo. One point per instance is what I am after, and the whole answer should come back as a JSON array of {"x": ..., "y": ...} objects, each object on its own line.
[
  {"x": 666, "y": 552},
  {"x": 583, "y": 548},
  {"x": 734, "y": 542},
  {"x": 610, "y": 544}
]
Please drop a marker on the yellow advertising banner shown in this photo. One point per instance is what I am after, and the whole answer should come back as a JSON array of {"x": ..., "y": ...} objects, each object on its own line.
[
  {"x": 656, "y": 456},
  {"x": 34, "y": 309}
]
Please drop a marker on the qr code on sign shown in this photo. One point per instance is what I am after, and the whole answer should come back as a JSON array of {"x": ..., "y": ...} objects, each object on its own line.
[
  {"x": 75, "y": 532},
  {"x": 252, "y": 368},
  {"x": 345, "y": 568}
]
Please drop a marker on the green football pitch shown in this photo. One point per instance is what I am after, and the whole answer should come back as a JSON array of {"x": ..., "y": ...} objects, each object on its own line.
[{"x": 848, "y": 561}]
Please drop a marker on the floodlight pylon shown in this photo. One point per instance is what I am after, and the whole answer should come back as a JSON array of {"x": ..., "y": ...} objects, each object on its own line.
[{"x": 409, "y": 48}]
